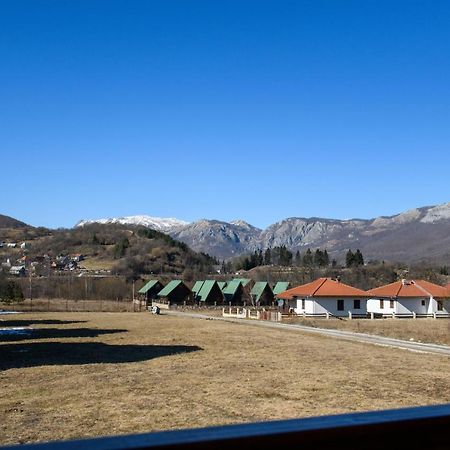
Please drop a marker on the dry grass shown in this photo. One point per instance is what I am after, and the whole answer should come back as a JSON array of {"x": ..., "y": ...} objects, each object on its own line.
[
  {"x": 65, "y": 305},
  {"x": 111, "y": 373},
  {"x": 420, "y": 330}
]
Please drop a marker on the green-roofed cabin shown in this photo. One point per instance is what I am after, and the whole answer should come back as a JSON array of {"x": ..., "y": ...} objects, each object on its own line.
[
  {"x": 280, "y": 287},
  {"x": 197, "y": 286},
  {"x": 150, "y": 290},
  {"x": 246, "y": 282},
  {"x": 176, "y": 292},
  {"x": 261, "y": 294},
  {"x": 222, "y": 284},
  {"x": 209, "y": 293},
  {"x": 235, "y": 293}
]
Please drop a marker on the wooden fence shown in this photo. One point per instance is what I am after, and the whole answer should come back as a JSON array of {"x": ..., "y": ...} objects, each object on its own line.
[{"x": 256, "y": 314}]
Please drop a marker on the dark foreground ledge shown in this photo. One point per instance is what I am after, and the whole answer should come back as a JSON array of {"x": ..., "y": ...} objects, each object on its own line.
[{"x": 410, "y": 428}]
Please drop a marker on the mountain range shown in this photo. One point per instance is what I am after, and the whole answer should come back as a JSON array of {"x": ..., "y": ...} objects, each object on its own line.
[{"x": 420, "y": 234}]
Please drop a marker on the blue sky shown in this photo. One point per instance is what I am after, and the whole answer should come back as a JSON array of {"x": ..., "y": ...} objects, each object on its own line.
[{"x": 257, "y": 110}]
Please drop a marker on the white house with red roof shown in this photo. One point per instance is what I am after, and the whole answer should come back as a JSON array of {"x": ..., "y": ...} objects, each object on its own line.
[
  {"x": 409, "y": 298},
  {"x": 326, "y": 297}
]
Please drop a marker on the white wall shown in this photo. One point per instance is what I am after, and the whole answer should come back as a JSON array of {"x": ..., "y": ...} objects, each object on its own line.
[
  {"x": 407, "y": 306},
  {"x": 322, "y": 305},
  {"x": 410, "y": 305},
  {"x": 309, "y": 306},
  {"x": 373, "y": 305}
]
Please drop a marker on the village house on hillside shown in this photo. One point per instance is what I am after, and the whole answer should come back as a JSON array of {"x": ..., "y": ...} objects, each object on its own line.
[
  {"x": 409, "y": 298},
  {"x": 18, "y": 271},
  {"x": 326, "y": 297}
]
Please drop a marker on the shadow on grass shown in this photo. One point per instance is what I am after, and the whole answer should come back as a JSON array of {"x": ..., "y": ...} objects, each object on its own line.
[
  {"x": 28, "y": 322},
  {"x": 56, "y": 333},
  {"x": 15, "y": 356}
]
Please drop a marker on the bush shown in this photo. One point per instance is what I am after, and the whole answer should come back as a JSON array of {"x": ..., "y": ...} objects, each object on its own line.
[{"x": 10, "y": 291}]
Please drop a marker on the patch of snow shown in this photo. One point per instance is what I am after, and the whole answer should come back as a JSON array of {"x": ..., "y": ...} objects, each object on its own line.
[
  {"x": 19, "y": 331},
  {"x": 156, "y": 223},
  {"x": 10, "y": 312}
]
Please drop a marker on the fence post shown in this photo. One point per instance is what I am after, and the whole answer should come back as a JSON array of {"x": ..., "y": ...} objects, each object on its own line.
[
  {"x": 279, "y": 316},
  {"x": 434, "y": 315},
  {"x": 414, "y": 315},
  {"x": 372, "y": 316},
  {"x": 328, "y": 315},
  {"x": 350, "y": 315},
  {"x": 393, "y": 315}
]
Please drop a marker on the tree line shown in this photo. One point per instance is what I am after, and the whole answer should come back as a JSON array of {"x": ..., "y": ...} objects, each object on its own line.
[{"x": 281, "y": 256}]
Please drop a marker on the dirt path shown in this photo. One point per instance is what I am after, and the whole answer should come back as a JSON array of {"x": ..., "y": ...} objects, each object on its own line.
[{"x": 338, "y": 334}]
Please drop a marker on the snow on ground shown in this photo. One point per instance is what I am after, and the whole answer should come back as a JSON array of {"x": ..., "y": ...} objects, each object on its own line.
[
  {"x": 15, "y": 331},
  {"x": 10, "y": 312}
]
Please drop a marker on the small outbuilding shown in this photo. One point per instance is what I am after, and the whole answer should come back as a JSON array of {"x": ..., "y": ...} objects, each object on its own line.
[
  {"x": 176, "y": 292},
  {"x": 261, "y": 293},
  {"x": 326, "y": 297},
  {"x": 409, "y": 298}
]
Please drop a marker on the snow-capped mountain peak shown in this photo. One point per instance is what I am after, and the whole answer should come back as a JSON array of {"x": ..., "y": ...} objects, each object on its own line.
[{"x": 156, "y": 223}]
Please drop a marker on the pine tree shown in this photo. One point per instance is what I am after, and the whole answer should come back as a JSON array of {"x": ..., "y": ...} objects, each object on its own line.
[
  {"x": 326, "y": 258},
  {"x": 359, "y": 260},
  {"x": 268, "y": 257},
  {"x": 318, "y": 258},
  {"x": 349, "y": 259},
  {"x": 308, "y": 258}
]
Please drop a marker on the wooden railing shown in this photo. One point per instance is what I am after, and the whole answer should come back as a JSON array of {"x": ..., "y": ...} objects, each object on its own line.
[{"x": 410, "y": 428}]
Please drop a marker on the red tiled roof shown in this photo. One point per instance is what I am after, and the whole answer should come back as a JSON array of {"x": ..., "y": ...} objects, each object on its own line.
[
  {"x": 410, "y": 288},
  {"x": 322, "y": 287}
]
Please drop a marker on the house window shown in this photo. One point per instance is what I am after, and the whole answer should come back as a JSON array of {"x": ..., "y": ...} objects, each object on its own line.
[
  {"x": 391, "y": 304},
  {"x": 356, "y": 304},
  {"x": 340, "y": 305},
  {"x": 423, "y": 302},
  {"x": 303, "y": 303},
  {"x": 381, "y": 304},
  {"x": 440, "y": 305}
]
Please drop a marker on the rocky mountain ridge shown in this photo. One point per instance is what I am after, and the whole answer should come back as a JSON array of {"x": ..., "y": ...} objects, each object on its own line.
[{"x": 420, "y": 234}]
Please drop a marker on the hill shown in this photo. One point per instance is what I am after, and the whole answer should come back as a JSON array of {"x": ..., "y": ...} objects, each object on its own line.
[
  {"x": 112, "y": 248},
  {"x": 10, "y": 222}
]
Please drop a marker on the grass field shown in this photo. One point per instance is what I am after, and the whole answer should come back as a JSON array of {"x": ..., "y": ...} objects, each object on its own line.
[
  {"x": 89, "y": 374},
  {"x": 420, "y": 330}
]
